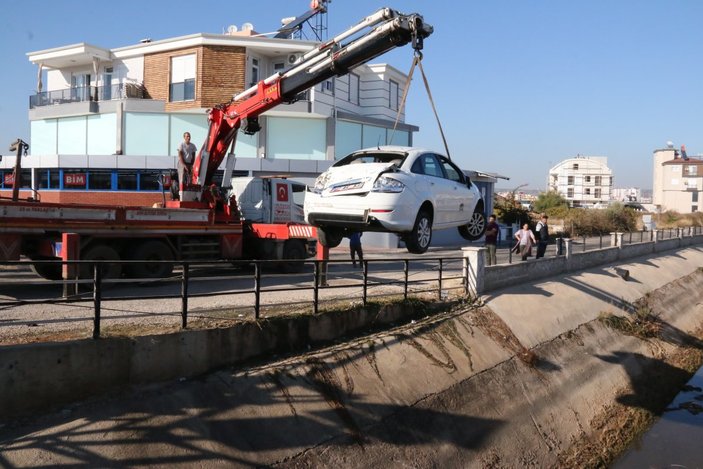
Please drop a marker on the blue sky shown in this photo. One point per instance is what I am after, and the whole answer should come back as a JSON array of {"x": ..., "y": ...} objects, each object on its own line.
[{"x": 519, "y": 85}]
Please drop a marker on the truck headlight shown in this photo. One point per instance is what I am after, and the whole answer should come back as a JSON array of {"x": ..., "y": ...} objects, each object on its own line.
[{"x": 387, "y": 184}]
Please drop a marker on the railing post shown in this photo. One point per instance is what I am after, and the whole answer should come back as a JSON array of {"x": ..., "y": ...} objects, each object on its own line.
[
  {"x": 584, "y": 243},
  {"x": 365, "y": 268},
  {"x": 316, "y": 287},
  {"x": 600, "y": 240},
  {"x": 439, "y": 281},
  {"x": 568, "y": 245},
  {"x": 97, "y": 297},
  {"x": 184, "y": 295},
  {"x": 257, "y": 289},
  {"x": 406, "y": 268},
  {"x": 630, "y": 238},
  {"x": 475, "y": 271}
]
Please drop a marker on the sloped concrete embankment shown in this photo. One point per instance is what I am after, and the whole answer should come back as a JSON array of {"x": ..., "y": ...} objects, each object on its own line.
[{"x": 500, "y": 385}]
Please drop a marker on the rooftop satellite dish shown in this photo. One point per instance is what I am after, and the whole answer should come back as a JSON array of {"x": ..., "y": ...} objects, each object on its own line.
[
  {"x": 669, "y": 144},
  {"x": 247, "y": 27},
  {"x": 231, "y": 29}
]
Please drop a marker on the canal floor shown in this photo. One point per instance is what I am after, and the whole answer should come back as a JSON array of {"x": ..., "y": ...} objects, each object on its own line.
[{"x": 675, "y": 440}]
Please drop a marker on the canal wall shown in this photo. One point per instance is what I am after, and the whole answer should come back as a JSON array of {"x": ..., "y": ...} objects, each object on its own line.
[{"x": 510, "y": 381}]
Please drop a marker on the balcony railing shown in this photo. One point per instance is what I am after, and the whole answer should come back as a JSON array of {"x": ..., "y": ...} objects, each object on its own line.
[{"x": 87, "y": 93}]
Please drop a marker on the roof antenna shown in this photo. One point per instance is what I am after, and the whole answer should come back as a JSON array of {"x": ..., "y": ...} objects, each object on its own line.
[{"x": 378, "y": 145}]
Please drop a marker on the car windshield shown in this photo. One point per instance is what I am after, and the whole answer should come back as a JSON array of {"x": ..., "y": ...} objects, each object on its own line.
[{"x": 375, "y": 157}]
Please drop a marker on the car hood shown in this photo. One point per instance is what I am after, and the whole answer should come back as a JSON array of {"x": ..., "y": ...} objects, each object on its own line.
[{"x": 351, "y": 178}]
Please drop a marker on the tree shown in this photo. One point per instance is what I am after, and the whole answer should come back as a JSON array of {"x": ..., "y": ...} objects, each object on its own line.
[
  {"x": 551, "y": 203},
  {"x": 509, "y": 211}
]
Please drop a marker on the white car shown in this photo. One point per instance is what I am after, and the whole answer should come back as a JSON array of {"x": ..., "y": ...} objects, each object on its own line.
[{"x": 404, "y": 190}]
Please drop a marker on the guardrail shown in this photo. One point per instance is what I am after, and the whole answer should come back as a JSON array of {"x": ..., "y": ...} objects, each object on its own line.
[{"x": 403, "y": 278}]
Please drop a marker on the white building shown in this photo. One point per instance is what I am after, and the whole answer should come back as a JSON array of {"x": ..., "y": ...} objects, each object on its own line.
[
  {"x": 626, "y": 194},
  {"x": 678, "y": 181},
  {"x": 584, "y": 181}
]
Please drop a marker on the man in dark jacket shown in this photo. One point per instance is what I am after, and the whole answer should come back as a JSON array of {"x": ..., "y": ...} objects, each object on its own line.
[
  {"x": 491, "y": 240},
  {"x": 542, "y": 235}
]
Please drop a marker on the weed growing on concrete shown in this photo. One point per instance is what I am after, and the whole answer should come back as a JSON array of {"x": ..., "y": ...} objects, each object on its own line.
[{"x": 642, "y": 323}]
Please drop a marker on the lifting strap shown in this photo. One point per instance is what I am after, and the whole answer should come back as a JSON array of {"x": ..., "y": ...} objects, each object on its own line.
[{"x": 417, "y": 61}]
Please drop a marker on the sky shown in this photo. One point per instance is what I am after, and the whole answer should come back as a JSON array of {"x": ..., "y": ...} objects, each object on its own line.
[{"x": 519, "y": 85}]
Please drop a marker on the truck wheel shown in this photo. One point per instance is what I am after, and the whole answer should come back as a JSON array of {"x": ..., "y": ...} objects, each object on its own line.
[
  {"x": 330, "y": 237},
  {"x": 475, "y": 228},
  {"x": 48, "y": 271},
  {"x": 101, "y": 252},
  {"x": 293, "y": 249},
  {"x": 419, "y": 239},
  {"x": 149, "y": 252}
]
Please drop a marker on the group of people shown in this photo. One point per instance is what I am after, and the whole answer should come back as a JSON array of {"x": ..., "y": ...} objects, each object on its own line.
[{"x": 525, "y": 239}]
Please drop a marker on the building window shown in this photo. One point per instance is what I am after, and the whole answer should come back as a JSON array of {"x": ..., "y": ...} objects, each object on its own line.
[
  {"x": 254, "y": 72},
  {"x": 588, "y": 191},
  {"x": 576, "y": 167},
  {"x": 570, "y": 180},
  {"x": 598, "y": 180},
  {"x": 80, "y": 87},
  {"x": 393, "y": 97},
  {"x": 182, "y": 85},
  {"x": 694, "y": 197},
  {"x": 126, "y": 180},
  {"x": 691, "y": 170},
  {"x": 588, "y": 178},
  {"x": 100, "y": 180},
  {"x": 354, "y": 88},
  {"x": 596, "y": 193},
  {"x": 570, "y": 192}
]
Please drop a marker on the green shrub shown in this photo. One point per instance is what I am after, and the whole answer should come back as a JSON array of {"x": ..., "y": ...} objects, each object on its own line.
[{"x": 551, "y": 203}]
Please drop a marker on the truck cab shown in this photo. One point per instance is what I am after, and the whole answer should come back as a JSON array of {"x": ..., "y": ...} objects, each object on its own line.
[{"x": 269, "y": 199}]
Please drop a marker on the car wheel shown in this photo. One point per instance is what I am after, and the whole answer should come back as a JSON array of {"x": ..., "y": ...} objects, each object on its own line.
[
  {"x": 148, "y": 252},
  {"x": 475, "y": 228},
  {"x": 419, "y": 239},
  {"x": 101, "y": 252},
  {"x": 53, "y": 271},
  {"x": 330, "y": 237},
  {"x": 293, "y": 249}
]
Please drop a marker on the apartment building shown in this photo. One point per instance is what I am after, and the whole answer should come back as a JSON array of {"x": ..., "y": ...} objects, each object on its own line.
[
  {"x": 584, "y": 181},
  {"x": 108, "y": 121},
  {"x": 677, "y": 180}
]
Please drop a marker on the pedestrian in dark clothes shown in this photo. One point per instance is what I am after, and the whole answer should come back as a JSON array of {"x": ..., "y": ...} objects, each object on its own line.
[{"x": 355, "y": 248}]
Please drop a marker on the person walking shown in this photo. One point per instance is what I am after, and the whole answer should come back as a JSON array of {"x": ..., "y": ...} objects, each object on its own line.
[
  {"x": 355, "y": 248},
  {"x": 186, "y": 157},
  {"x": 526, "y": 239},
  {"x": 542, "y": 236},
  {"x": 491, "y": 240}
]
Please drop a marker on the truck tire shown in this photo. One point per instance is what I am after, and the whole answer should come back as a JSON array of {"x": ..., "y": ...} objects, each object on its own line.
[
  {"x": 150, "y": 251},
  {"x": 293, "y": 249},
  {"x": 330, "y": 237},
  {"x": 100, "y": 252},
  {"x": 475, "y": 228},
  {"x": 418, "y": 240},
  {"x": 48, "y": 271}
]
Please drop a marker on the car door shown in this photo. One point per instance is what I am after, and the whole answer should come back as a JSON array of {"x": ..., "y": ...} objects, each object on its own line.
[
  {"x": 440, "y": 189},
  {"x": 462, "y": 199}
]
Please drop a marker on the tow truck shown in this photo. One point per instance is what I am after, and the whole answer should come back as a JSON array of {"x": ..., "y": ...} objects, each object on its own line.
[{"x": 206, "y": 222}]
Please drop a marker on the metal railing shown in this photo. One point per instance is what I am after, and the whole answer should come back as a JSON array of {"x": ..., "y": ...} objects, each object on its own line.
[
  {"x": 600, "y": 241},
  {"x": 400, "y": 278},
  {"x": 87, "y": 93}
]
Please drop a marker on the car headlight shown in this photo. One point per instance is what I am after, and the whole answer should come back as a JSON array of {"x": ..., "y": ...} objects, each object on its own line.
[
  {"x": 386, "y": 184},
  {"x": 320, "y": 183}
]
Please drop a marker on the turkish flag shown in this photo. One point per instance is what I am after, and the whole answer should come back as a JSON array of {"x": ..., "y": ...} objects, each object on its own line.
[{"x": 282, "y": 192}]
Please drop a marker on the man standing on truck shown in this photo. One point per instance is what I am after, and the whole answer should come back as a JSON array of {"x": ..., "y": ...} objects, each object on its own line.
[{"x": 186, "y": 157}]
